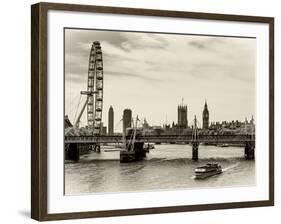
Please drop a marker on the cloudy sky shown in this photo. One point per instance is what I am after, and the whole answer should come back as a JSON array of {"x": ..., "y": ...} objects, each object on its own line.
[{"x": 151, "y": 73}]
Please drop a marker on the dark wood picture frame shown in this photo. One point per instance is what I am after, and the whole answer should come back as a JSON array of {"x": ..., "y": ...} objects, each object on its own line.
[{"x": 39, "y": 110}]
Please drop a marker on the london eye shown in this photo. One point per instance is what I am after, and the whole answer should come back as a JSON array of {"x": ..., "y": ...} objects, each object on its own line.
[{"x": 94, "y": 93}]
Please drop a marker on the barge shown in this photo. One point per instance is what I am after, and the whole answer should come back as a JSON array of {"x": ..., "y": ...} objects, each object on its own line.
[{"x": 133, "y": 150}]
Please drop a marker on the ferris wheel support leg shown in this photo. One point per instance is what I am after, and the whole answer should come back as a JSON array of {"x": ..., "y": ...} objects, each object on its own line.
[{"x": 80, "y": 114}]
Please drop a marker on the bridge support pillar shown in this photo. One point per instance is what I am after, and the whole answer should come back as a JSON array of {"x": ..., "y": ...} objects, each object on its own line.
[
  {"x": 72, "y": 152},
  {"x": 195, "y": 146},
  {"x": 97, "y": 148},
  {"x": 249, "y": 151}
]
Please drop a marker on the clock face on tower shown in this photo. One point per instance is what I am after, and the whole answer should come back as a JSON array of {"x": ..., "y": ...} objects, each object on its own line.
[{"x": 205, "y": 114}]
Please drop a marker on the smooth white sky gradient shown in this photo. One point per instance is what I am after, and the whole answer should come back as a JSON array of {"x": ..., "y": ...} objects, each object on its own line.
[{"x": 150, "y": 73}]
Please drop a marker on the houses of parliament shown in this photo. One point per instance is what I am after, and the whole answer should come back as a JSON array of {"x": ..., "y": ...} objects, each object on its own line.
[{"x": 182, "y": 117}]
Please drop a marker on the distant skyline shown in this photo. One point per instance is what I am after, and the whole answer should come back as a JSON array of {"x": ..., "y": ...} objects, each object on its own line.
[{"x": 151, "y": 73}]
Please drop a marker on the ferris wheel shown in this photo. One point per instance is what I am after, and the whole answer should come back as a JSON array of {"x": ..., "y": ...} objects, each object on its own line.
[{"x": 94, "y": 101}]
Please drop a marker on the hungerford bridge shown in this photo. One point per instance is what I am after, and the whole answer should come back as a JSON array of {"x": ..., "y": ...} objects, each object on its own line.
[
  {"x": 194, "y": 139},
  {"x": 94, "y": 104},
  {"x": 158, "y": 139}
]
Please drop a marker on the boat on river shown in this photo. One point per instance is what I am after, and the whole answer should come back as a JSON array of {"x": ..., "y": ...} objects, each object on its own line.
[
  {"x": 133, "y": 150},
  {"x": 210, "y": 169}
]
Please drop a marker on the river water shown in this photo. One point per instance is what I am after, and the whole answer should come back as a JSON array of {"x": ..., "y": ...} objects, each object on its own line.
[{"x": 166, "y": 167}]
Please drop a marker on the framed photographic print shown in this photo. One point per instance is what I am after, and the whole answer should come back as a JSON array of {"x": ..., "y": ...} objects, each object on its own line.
[{"x": 141, "y": 111}]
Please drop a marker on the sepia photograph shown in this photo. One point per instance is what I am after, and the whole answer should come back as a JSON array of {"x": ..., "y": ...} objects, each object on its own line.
[
  {"x": 148, "y": 111},
  {"x": 140, "y": 111}
]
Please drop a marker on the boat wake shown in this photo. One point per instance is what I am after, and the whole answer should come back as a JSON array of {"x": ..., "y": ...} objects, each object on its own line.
[{"x": 230, "y": 167}]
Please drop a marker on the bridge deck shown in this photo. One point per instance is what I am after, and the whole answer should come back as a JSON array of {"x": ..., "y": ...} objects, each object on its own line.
[{"x": 162, "y": 139}]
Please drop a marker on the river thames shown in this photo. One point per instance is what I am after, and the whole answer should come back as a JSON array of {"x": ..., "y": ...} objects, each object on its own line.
[{"x": 167, "y": 167}]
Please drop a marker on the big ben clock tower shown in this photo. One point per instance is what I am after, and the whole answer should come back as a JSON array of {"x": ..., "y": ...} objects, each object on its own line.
[{"x": 205, "y": 116}]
